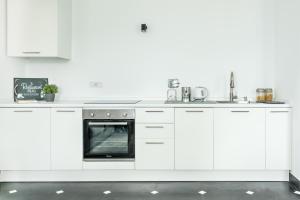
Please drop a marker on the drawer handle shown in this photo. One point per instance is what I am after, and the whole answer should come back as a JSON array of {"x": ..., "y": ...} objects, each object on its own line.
[
  {"x": 65, "y": 111},
  {"x": 240, "y": 111},
  {"x": 283, "y": 111},
  {"x": 154, "y": 143},
  {"x": 194, "y": 111},
  {"x": 154, "y": 126},
  {"x": 23, "y": 111},
  {"x": 31, "y": 52},
  {"x": 108, "y": 123},
  {"x": 154, "y": 111}
]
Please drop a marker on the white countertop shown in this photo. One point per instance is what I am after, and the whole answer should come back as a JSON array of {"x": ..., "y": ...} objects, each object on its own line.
[{"x": 141, "y": 104}]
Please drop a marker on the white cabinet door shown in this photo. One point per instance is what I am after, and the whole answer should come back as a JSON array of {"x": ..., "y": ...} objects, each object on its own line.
[
  {"x": 194, "y": 138},
  {"x": 66, "y": 139},
  {"x": 239, "y": 138},
  {"x": 25, "y": 139},
  {"x": 31, "y": 24},
  {"x": 154, "y": 154},
  {"x": 278, "y": 138},
  {"x": 38, "y": 28}
]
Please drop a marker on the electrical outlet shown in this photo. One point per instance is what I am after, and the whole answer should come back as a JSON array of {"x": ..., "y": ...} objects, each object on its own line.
[{"x": 96, "y": 84}]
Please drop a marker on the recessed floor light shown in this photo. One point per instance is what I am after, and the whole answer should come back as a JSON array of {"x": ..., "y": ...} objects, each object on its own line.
[
  {"x": 13, "y": 191},
  {"x": 59, "y": 192},
  {"x": 202, "y": 192},
  {"x": 107, "y": 192},
  {"x": 154, "y": 192},
  {"x": 250, "y": 192},
  {"x": 297, "y": 192}
]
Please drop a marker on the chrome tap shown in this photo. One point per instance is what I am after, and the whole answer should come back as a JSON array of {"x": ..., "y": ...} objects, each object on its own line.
[{"x": 231, "y": 95}]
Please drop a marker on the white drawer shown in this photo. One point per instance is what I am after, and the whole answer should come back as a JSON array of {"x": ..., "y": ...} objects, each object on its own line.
[
  {"x": 152, "y": 131},
  {"x": 154, "y": 154},
  {"x": 155, "y": 115}
]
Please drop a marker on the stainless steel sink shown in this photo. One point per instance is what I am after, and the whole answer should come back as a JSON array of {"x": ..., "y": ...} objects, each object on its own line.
[
  {"x": 234, "y": 102},
  {"x": 209, "y": 102},
  {"x": 227, "y": 102},
  {"x": 191, "y": 102}
]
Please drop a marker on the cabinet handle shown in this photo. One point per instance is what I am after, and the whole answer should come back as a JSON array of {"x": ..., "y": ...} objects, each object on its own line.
[
  {"x": 277, "y": 111},
  {"x": 31, "y": 52},
  {"x": 194, "y": 111},
  {"x": 154, "y": 143},
  {"x": 154, "y": 111},
  {"x": 65, "y": 111},
  {"x": 240, "y": 111},
  {"x": 23, "y": 111},
  {"x": 154, "y": 126},
  {"x": 108, "y": 123}
]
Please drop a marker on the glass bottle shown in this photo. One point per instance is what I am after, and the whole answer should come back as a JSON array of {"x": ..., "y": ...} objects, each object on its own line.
[
  {"x": 269, "y": 94},
  {"x": 260, "y": 95}
]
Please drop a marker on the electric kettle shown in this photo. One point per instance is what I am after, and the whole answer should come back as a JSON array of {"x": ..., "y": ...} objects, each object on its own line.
[{"x": 200, "y": 93}]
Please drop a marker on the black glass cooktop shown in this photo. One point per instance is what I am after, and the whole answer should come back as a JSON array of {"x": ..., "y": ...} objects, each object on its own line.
[{"x": 113, "y": 102}]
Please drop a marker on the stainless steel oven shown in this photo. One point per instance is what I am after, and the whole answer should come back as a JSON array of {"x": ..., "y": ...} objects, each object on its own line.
[{"x": 108, "y": 134}]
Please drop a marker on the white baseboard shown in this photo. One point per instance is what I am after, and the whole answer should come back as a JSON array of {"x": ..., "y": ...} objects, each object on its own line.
[
  {"x": 134, "y": 175},
  {"x": 109, "y": 165}
]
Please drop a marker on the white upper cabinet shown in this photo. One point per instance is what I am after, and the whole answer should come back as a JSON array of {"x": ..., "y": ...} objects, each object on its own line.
[
  {"x": 278, "y": 138},
  {"x": 25, "y": 139},
  {"x": 194, "y": 138},
  {"x": 39, "y": 28},
  {"x": 239, "y": 139},
  {"x": 66, "y": 139}
]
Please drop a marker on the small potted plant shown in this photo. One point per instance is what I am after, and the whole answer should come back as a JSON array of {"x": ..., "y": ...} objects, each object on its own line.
[{"x": 49, "y": 92}]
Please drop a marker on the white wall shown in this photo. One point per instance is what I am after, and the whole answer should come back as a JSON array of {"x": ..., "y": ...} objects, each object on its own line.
[
  {"x": 287, "y": 77},
  {"x": 197, "y": 41},
  {"x": 9, "y": 67}
]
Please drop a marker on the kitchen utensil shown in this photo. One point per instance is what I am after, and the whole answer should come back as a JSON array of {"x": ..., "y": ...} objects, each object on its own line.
[
  {"x": 173, "y": 84},
  {"x": 200, "y": 93},
  {"x": 186, "y": 94}
]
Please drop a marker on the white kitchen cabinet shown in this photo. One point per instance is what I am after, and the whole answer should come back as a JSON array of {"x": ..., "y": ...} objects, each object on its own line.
[
  {"x": 25, "y": 139},
  {"x": 154, "y": 154},
  {"x": 66, "y": 139},
  {"x": 39, "y": 28},
  {"x": 155, "y": 115},
  {"x": 193, "y": 138},
  {"x": 239, "y": 138},
  {"x": 278, "y": 138},
  {"x": 154, "y": 144}
]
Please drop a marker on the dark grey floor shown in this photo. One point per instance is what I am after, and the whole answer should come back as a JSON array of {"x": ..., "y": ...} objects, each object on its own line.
[{"x": 141, "y": 191}]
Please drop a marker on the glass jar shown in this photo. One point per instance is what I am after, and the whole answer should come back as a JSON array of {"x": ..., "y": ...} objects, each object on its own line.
[
  {"x": 268, "y": 94},
  {"x": 260, "y": 95},
  {"x": 172, "y": 94}
]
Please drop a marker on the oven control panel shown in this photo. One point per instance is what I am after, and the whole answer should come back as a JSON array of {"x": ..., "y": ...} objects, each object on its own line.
[{"x": 109, "y": 114}]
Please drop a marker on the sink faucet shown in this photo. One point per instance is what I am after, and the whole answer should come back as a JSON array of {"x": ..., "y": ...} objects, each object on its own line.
[{"x": 231, "y": 95}]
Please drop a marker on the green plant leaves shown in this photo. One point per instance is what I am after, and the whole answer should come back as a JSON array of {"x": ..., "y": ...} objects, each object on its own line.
[{"x": 50, "y": 89}]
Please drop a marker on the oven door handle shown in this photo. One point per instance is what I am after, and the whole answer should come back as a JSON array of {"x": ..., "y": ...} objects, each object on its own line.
[{"x": 108, "y": 123}]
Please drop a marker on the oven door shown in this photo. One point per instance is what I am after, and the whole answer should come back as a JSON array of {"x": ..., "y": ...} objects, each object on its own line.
[{"x": 108, "y": 139}]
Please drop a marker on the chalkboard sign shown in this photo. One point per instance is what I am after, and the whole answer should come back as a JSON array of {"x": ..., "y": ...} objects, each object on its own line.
[{"x": 29, "y": 88}]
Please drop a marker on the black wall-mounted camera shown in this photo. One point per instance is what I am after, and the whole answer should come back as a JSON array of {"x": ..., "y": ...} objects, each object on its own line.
[{"x": 144, "y": 28}]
